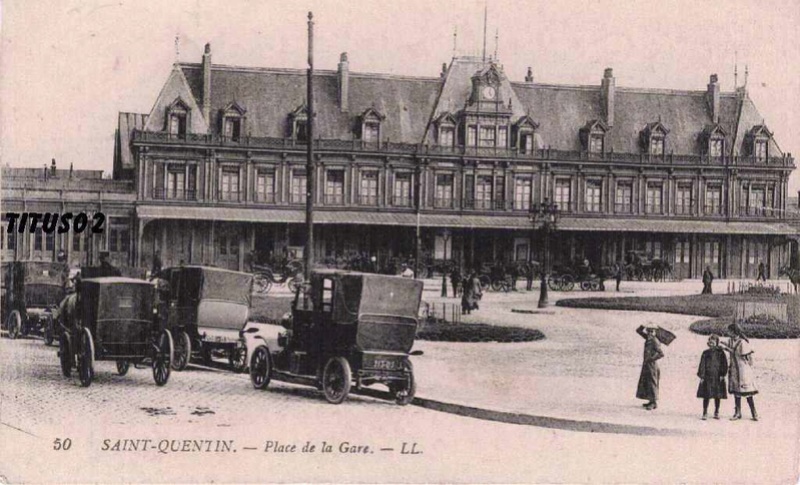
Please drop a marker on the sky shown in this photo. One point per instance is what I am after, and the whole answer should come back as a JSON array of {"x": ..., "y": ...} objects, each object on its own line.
[{"x": 68, "y": 67}]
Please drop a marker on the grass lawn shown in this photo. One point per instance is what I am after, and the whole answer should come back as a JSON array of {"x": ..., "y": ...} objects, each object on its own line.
[
  {"x": 720, "y": 308},
  {"x": 270, "y": 309}
]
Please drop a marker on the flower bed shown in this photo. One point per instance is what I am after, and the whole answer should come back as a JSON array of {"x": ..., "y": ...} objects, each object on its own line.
[
  {"x": 759, "y": 326},
  {"x": 477, "y": 332}
]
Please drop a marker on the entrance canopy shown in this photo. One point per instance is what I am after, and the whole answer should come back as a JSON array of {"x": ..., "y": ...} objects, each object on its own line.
[{"x": 518, "y": 221}]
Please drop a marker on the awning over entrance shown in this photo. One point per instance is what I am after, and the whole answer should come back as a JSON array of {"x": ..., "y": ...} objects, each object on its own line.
[{"x": 473, "y": 221}]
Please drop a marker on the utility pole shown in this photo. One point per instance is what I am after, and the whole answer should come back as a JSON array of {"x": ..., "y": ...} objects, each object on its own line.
[{"x": 308, "y": 253}]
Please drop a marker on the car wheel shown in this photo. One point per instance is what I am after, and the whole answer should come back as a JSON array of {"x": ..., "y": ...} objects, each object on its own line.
[
  {"x": 86, "y": 359},
  {"x": 336, "y": 380},
  {"x": 260, "y": 367},
  {"x": 122, "y": 367},
  {"x": 404, "y": 391},
  {"x": 183, "y": 351},
  {"x": 237, "y": 358},
  {"x": 14, "y": 324},
  {"x": 162, "y": 360}
]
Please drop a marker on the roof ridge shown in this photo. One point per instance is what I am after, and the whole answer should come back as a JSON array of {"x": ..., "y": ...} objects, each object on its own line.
[{"x": 317, "y": 72}]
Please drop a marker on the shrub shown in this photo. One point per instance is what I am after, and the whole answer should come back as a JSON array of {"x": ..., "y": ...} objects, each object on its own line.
[
  {"x": 758, "y": 326},
  {"x": 477, "y": 332}
]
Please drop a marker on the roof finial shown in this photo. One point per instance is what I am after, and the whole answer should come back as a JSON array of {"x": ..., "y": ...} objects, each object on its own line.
[
  {"x": 455, "y": 38},
  {"x": 746, "y": 74},
  {"x": 177, "y": 47},
  {"x": 485, "y": 16},
  {"x": 735, "y": 70}
]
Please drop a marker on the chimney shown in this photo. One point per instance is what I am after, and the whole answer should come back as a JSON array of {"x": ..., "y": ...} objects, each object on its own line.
[
  {"x": 53, "y": 167},
  {"x": 529, "y": 76},
  {"x": 712, "y": 97},
  {"x": 207, "y": 84},
  {"x": 607, "y": 95},
  {"x": 443, "y": 74},
  {"x": 344, "y": 81}
]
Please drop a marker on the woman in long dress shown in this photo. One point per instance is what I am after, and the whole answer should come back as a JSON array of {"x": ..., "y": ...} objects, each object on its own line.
[
  {"x": 741, "y": 381},
  {"x": 647, "y": 388}
]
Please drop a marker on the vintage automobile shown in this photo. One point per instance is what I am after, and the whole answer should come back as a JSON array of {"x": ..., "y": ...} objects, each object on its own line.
[
  {"x": 206, "y": 307},
  {"x": 345, "y": 328},
  {"x": 112, "y": 319},
  {"x": 30, "y": 291}
]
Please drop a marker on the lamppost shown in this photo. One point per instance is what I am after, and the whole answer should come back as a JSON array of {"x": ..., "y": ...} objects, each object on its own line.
[{"x": 544, "y": 216}]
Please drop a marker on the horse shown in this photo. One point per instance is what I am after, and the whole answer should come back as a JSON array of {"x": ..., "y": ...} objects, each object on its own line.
[{"x": 793, "y": 274}]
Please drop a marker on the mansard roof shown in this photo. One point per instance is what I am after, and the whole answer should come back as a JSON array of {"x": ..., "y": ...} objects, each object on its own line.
[{"x": 411, "y": 105}]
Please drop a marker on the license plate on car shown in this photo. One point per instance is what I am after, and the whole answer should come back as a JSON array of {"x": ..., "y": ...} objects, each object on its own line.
[{"x": 385, "y": 364}]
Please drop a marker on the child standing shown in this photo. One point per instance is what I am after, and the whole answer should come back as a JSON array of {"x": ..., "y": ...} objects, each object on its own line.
[{"x": 712, "y": 370}]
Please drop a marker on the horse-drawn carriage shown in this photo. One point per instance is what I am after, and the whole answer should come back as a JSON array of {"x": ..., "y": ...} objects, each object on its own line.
[
  {"x": 348, "y": 328},
  {"x": 638, "y": 267},
  {"x": 111, "y": 318},
  {"x": 30, "y": 292},
  {"x": 205, "y": 308},
  {"x": 578, "y": 273}
]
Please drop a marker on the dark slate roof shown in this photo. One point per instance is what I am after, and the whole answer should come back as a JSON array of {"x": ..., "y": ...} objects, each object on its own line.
[{"x": 410, "y": 103}]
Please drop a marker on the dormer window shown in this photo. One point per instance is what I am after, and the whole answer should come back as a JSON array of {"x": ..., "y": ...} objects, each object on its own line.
[
  {"x": 654, "y": 139},
  {"x": 371, "y": 121},
  {"x": 758, "y": 138},
  {"x": 232, "y": 119},
  {"x": 446, "y": 130},
  {"x": 524, "y": 130},
  {"x": 714, "y": 136},
  {"x": 593, "y": 136},
  {"x": 298, "y": 123},
  {"x": 177, "y": 118}
]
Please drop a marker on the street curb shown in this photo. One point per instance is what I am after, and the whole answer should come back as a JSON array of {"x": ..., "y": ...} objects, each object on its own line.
[{"x": 532, "y": 420}]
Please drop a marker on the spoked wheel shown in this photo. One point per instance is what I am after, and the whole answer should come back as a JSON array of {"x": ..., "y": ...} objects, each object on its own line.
[
  {"x": 595, "y": 286},
  {"x": 260, "y": 367},
  {"x": 183, "y": 351},
  {"x": 86, "y": 358},
  {"x": 14, "y": 324},
  {"x": 497, "y": 285},
  {"x": 568, "y": 283},
  {"x": 65, "y": 354},
  {"x": 122, "y": 367},
  {"x": 336, "y": 380},
  {"x": 237, "y": 358},
  {"x": 262, "y": 284},
  {"x": 404, "y": 391},
  {"x": 163, "y": 358},
  {"x": 586, "y": 285},
  {"x": 554, "y": 283},
  {"x": 293, "y": 284}
]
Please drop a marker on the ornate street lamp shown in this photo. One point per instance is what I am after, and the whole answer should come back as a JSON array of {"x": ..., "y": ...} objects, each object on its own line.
[{"x": 544, "y": 217}]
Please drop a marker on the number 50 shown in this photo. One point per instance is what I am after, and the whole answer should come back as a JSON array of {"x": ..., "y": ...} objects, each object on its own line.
[{"x": 60, "y": 445}]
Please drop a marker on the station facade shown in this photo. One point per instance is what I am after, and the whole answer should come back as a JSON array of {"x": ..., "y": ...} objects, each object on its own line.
[{"x": 217, "y": 172}]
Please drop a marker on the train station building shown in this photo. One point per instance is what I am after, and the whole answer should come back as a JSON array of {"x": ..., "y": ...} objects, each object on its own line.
[{"x": 217, "y": 171}]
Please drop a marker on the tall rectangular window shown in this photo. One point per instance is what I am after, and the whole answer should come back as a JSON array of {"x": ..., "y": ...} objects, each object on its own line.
[
  {"x": 11, "y": 240},
  {"x": 596, "y": 143},
  {"x": 483, "y": 192},
  {"x": 715, "y": 147},
  {"x": 38, "y": 239},
  {"x": 526, "y": 142},
  {"x": 298, "y": 186},
  {"x": 50, "y": 241},
  {"x": 522, "y": 193},
  {"x": 655, "y": 196},
  {"x": 472, "y": 135},
  {"x": 233, "y": 128},
  {"x": 265, "y": 186},
  {"x": 176, "y": 179},
  {"x": 488, "y": 136},
  {"x": 563, "y": 194},
  {"x": 682, "y": 252},
  {"x": 714, "y": 199},
  {"x": 402, "y": 189},
  {"x": 369, "y": 187},
  {"x": 334, "y": 187},
  {"x": 444, "y": 191},
  {"x": 623, "y": 203},
  {"x": 76, "y": 242},
  {"x": 594, "y": 195},
  {"x": 446, "y": 135},
  {"x": 177, "y": 124},
  {"x": 657, "y": 146},
  {"x": 229, "y": 185},
  {"x": 760, "y": 150},
  {"x": 757, "y": 200},
  {"x": 683, "y": 199},
  {"x": 371, "y": 132},
  {"x": 502, "y": 136},
  {"x": 711, "y": 253}
]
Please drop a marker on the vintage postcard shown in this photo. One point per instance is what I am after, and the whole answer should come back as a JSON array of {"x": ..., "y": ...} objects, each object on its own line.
[{"x": 399, "y": 242}]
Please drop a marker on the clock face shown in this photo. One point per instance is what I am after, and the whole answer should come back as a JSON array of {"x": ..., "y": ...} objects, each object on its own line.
[{"x": 489, "y": 92}]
